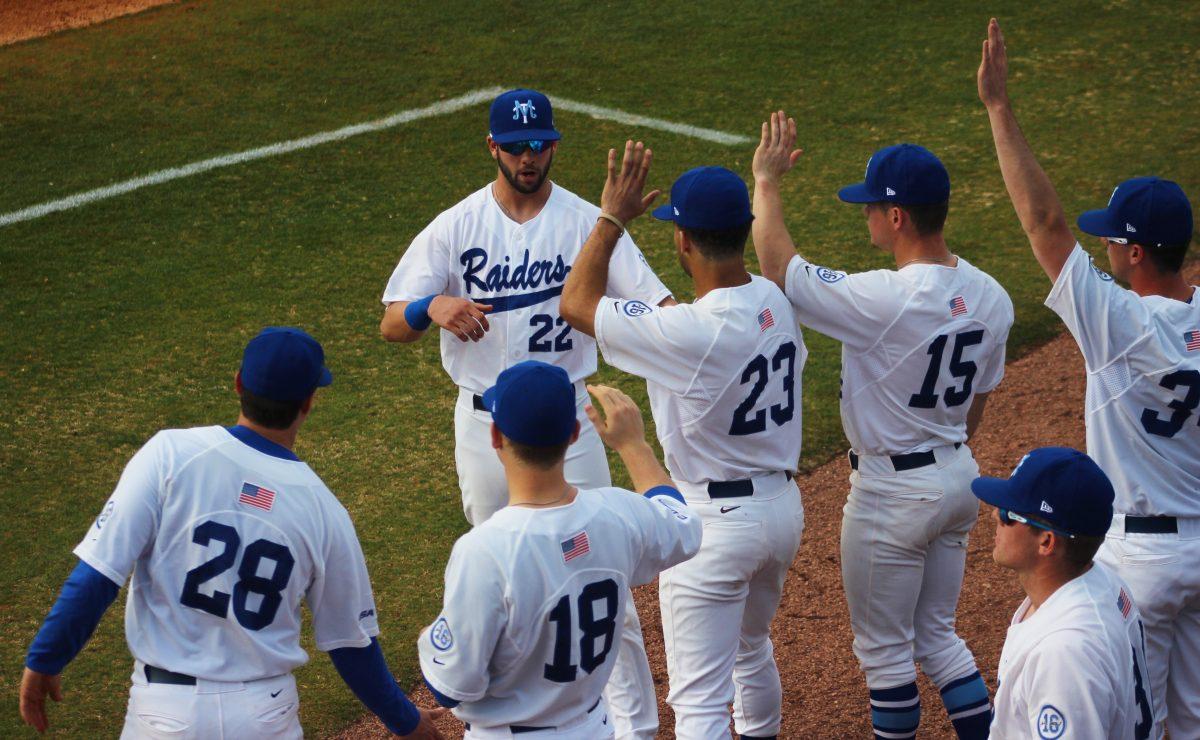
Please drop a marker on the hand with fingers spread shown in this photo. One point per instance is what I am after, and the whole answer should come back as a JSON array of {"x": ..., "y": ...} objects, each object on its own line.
[
  {"x": 622, "y": 425},
  {"x": 426, "y": 730},
  {"x": 775, "y": 155},
  {"x": 460, "y": 316},
  {"x": 34, "y": 689},
  {"x": 993, "y": 68},
  {"x": 622, "y": 197}
]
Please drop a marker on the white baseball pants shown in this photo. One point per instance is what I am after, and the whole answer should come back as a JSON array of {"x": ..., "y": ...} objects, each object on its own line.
[
  {"x": 595, "y": 725},
  {"x": 633, "y": 710},
  {"x": 212, "y": 710},
  {"x": 1163, "y": 575},
  {"x": 717, "y": 610},
  {"x": 904, "y": 549}
]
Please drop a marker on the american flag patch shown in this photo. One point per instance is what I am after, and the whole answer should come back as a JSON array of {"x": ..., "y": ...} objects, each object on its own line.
[
  {"x": 765, "y": 319},
  {"x": 257, "y": 496},
  {"x": 1191, "y": 340},
  {"x": 574, "y": 547},
  {"x": 1124, "y": 603},
  {"x": 957, "y": 306}
]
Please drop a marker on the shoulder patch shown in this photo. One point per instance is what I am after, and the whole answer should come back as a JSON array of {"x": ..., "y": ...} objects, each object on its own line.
[
  {"x": 636, "y": 308},
  {"x": 440, "y": 635},
  {"x": 1051, "y": 723},
  {"x": 830, "y": 276},
  {"x": 106, "y": 514},
  {"x": 1100, "y": 273}
]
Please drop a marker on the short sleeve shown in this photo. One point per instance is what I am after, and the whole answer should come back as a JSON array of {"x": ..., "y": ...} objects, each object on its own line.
[
  {"x": 659, "y": 344},
  {"x": 630, "y": 275},
  {"x": 425, "y": 267},
  {"x": 1066, "y": 695},
  {"x": 340, "y": 597},
  {"x": 1105, "y": 319},
  {"x": 456, "y": 650},
  {"x": 670, "y": 533},
  {"x": 853, "y": 309},
  {"x": 128, "y": 523}
]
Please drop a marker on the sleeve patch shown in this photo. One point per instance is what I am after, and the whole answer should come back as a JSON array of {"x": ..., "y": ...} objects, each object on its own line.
[
  {"x": 830, "y": 276},
  {"x": 635, "y": 308},
  {"x": 1051, "y": 723},
  {"x": 440, "y": 635},
  {"x": 106, "y": 514},
  {"x": 1099, "y": 273}
]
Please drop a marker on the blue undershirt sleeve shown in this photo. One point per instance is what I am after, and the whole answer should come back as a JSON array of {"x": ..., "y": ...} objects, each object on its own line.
[
  {"x": 439, "y": 697},
  {"x": 366, "y": 672},
  {"x": 85, "y": 597},
  {"x": 665, "y": 491}
]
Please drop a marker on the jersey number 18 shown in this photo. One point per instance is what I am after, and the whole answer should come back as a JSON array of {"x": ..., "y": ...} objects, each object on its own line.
[{"x": 591, "y": 628}]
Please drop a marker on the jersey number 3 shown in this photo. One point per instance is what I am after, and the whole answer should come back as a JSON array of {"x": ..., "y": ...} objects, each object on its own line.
[
  {"x": 249, "y": 581},
  {"x": 928, "y": 396},
  {"x": 1181, "y": 409},
  {"x": 591, "y": 629}
]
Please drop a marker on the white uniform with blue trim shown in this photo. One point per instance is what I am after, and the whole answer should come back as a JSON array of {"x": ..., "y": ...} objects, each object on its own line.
[
  {"x": 723, "y": 375},
  {"x": 1143, "y": 392},
  {"x": 1076, "y": 667},
  {"x": 534, "y": 604},
  {"x": 224, "y": 541}
]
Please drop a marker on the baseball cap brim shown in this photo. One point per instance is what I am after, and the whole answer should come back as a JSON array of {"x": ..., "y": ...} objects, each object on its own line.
[
  {"x": 527, "y": 134},
  {"x": 325, "y": 379},
  {"x": 994, "y": 491},
  {"x": 1098, "y": 223},
  {"x": 489, "y": 398},
  {"x": 664, "y": 212},
  {"x": 857, "y": 193}
]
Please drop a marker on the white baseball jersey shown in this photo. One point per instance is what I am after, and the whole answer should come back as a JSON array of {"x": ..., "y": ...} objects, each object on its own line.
[
  {"x": 917, "y": 344},
  {"x": 1076, "y": 668},
  {"x": 224, "y": 541},
  {"x": 535, "y": 602},
  {"x": 474, "y": 250},
  {"x": 1143, "y": 387},
  {"x": 723, "y": 375}
]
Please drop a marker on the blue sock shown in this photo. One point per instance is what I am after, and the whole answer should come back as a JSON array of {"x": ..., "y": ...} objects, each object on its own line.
[
  {"x": 966, "y": 701},
  {"x": 896, "y": 712}
]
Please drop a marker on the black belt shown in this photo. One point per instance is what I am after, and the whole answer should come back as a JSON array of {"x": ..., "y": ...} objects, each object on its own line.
[
  {"x": 518, "y": 729},
  {"x": 162, "y": 675},
  {"x": 1151, "y": 525},
  {"x": 734, "y": 488},
  {"x": 910, "y": 461},
  {"x": 477, "y": 400}
]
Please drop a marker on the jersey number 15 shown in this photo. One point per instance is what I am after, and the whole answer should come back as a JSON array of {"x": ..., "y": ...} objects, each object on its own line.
[{"x": 928, "y": 396}]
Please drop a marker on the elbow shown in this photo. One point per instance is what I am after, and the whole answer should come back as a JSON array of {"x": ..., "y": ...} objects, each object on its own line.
[
  {"x": 1043, "y": 219},
  {"x": 391, "y": 331}
]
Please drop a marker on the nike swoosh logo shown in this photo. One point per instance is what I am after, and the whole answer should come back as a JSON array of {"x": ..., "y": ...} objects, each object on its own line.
[
  {"x": 727, "y": 509},
  {"x": 435, "y": 660},
  {"x": 277, "y": 693}
]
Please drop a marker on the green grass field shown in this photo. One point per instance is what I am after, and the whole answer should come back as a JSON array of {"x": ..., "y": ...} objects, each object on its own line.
[{"x": 127, "y": 316}]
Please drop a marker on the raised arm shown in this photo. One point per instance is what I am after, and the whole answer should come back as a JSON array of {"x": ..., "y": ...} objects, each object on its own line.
[
  {"x": 622, "y": 429},
  {"x": 621, "y": 202},
  {"x": 1032, "y": 194},
  {"x": 774, "y": 157}
]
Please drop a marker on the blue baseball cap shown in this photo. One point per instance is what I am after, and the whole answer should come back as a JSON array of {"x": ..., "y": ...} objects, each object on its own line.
[
  {"x": 1059, "y": 485},
  {"x": 1146, "y": 210},
  {"x": 522, "y": 115},
  {"x": 907, "y": 174},
  {"x": 284, "y": 363},
  {"x": 533, "y": 403},
  {"x": 708, "y": 198}
]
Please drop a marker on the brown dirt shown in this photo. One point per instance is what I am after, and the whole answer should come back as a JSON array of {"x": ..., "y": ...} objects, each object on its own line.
[{"x": 28, "y": 19}]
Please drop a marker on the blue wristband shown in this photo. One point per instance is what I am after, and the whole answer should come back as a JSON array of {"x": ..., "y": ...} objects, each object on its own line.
[{"x": 417, "y": 313}]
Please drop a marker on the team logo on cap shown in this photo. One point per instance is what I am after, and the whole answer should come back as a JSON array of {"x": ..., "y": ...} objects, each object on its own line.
[
  {"x": 889, "y": 191},
  {"x": 1046, "y": 508},
  {"x": 1051, "y": 723},
  {"x": 439, "y": 634},
  {"x": 1129, "y": 228},
  {"x": 524, "y": 111}
]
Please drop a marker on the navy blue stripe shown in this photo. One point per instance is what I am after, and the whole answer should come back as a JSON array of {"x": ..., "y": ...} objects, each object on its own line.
[
  {"x": 251, "y": 438},
  {"x": 961, "y": 682},
  {"x": 896, "y": 710},
  {"x": 970, "y": 705},
  {"x": 502, "y": 303},
  {"x": 896, "y": 693}
]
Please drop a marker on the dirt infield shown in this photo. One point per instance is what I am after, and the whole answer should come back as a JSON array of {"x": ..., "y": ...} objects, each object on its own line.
[{"x": 28, "y": 19}]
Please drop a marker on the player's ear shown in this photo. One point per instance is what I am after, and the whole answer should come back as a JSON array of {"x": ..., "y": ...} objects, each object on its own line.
[
  {"x": 237, "y": 382},
  {"x": 492, "y": 146},
  {"x": 682, "y": 243},
  {"x": 575, "y": 434},
  {"x": 497, "y": 437},
  {"x": 1137, "y": 253},
  {"x": 307, "y": 404}
]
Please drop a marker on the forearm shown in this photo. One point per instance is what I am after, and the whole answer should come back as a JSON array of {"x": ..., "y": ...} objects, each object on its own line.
[
  {"x": 588, "y": 278},
  {"x": 85, "y": 597},
  {"x": 772, "y": 243},
  {"x": 645, "y": 470},
  {"x": 365, "y": 671},
  {"x": 394, "y": 327}
]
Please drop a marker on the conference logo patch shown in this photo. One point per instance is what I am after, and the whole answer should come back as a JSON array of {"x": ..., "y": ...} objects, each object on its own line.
[
  {"x": 636, "y": 308},
  {"x": 440, "y": 635},
  {"x": 830, "y": 276},
  {"x": 1051, "y": 723}
]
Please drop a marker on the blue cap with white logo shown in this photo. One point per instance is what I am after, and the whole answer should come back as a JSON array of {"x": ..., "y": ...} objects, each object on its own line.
[
  {"x": 522, "y": 115},
  {"x": 1061, "y": 486},
  {"x": 284, "y": 363},
  {"x": 906, "y": 174},
  {"x": 708, "y": 198},
  {"x": 1146, "y": 210},
  {"x": 533, "y": 403}
]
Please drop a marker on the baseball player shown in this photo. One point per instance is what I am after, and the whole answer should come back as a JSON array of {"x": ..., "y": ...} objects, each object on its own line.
[
  {"x": 226, "y": 531},
  {"x": 1074, "y": 660},
  {"x": 489, "y": 272},
  {"x": 534, "y": 596},
  {"x": 723, "y": 375},
  {"x": 922, "y": 346},
  {"x": 1142, "y": 352}
]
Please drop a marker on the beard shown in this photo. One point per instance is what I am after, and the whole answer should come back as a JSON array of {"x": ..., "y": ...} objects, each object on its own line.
[{"x": 518, "y": 185}]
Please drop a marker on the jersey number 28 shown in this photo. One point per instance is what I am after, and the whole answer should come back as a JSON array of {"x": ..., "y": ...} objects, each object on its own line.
[
  {"x": 249, "y": 581},
  {"x": 592, "y": 629}
]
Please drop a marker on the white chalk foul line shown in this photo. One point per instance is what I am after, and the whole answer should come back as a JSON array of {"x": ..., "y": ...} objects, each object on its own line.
[{"x": 271, "y": 150}]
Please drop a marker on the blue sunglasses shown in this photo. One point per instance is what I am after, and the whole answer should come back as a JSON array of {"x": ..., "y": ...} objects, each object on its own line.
[
  {"x": 518, "y": 147},
  {"x": 1007, "y": 517}
]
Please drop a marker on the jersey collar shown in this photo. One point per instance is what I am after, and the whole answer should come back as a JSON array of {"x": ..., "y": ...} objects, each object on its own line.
[{"x": 251, "y": 438}]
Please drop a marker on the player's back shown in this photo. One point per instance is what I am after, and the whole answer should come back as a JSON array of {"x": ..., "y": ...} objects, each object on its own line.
[
  {"x": 234, "y": 539},
  {"x": 535, "y": 602}
]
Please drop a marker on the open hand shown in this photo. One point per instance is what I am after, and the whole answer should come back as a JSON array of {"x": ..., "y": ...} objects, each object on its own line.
[
  {"x": 993, "y": 68},
  {"x": 622, "y": 423},
  {"x": 774, "y": 155},
  {"x": 426, "y": 730},
  {"x": 34, "y": 688},
  {"x": 622, "y": 196},
  {"x": 460, "y": 316}
]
